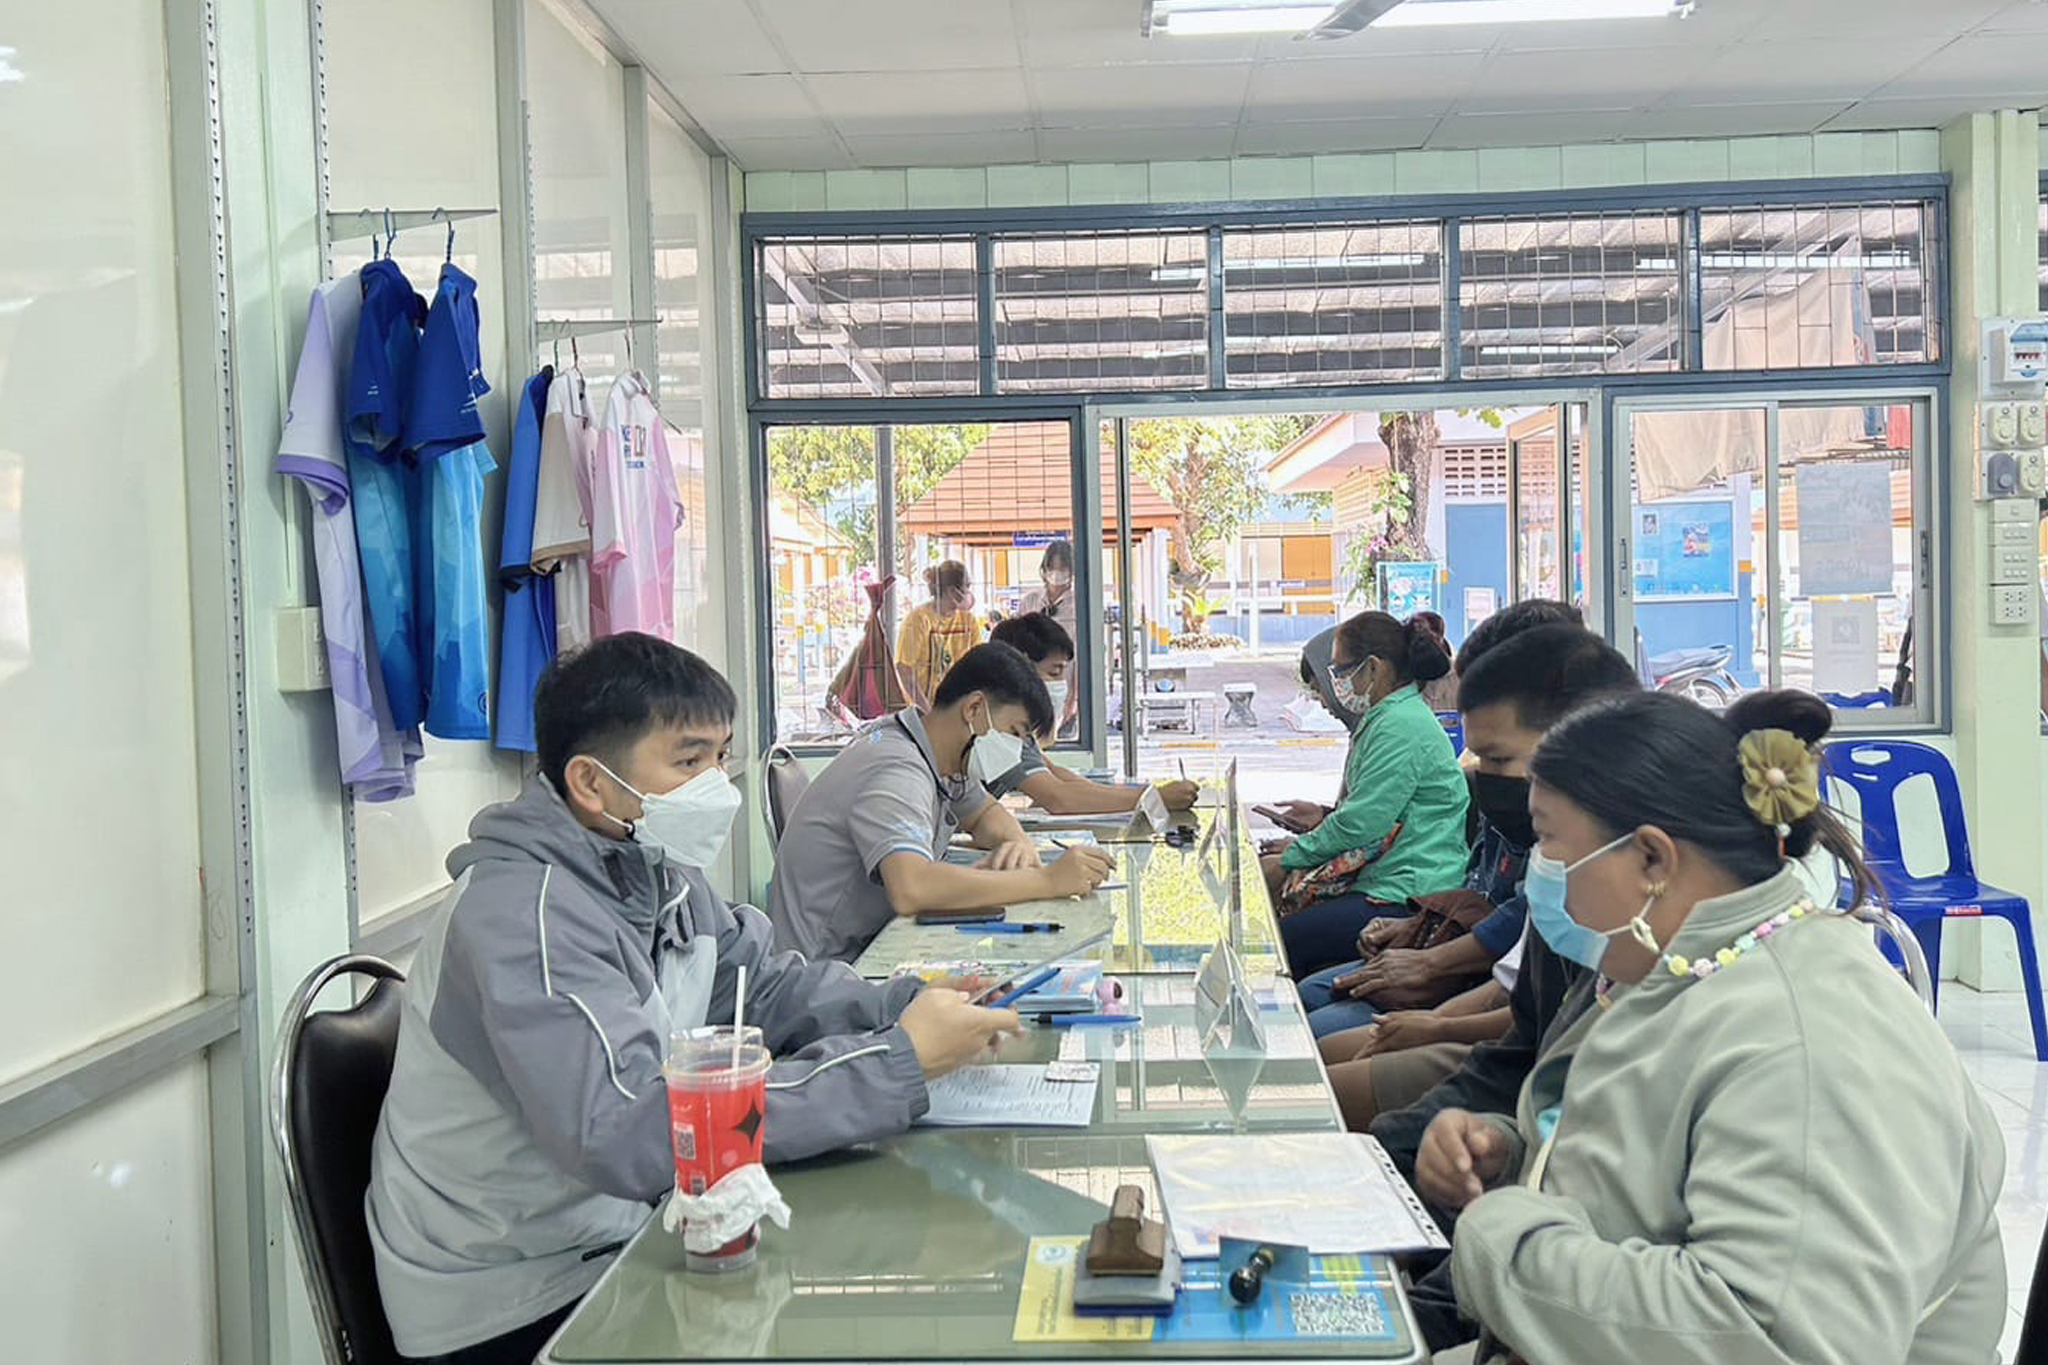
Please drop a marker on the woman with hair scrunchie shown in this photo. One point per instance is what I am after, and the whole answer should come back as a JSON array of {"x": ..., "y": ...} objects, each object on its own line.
[
  {"x": 1399, "y": 829},
  {"x": 1752, "y": 1145}
]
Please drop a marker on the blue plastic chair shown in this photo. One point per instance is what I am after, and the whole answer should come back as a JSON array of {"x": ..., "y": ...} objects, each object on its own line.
[
  {"x": 1858, "y": 701},
  {"x": 1874, "y": 770},
  {"x": 1454, "y": 726}
]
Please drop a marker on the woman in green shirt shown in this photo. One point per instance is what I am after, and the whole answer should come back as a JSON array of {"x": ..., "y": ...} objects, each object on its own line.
[{"x": 1399, "y": 829}]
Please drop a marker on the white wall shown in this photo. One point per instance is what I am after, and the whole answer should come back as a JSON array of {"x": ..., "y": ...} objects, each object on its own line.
[
  {"x": 100, "y": 895},
  {"x": 576, "y": 97},
  {"x": 107, "y": 1219},
  {"x": 394, "y": 69}
]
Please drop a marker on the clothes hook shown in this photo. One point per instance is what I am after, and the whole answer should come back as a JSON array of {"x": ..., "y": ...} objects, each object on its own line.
[
  {"x": 390, "y": 233},
  {"x": 443, "y": 213},
  {"x": 558, "y": 353},
  {"x": 575, "y": 356}
]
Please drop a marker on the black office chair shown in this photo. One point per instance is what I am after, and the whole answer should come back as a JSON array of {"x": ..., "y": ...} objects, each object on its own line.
[
  {"x": 333, "y": 1068},
  {"x": 2033, "y": 1347},
  {"x": 786, "y": 782}
]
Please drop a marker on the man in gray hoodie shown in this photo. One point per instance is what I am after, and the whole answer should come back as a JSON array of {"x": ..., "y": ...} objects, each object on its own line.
[{"x": 525, "y": 1135}]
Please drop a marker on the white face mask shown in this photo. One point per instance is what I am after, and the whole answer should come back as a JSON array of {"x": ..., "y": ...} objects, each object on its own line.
[
  {"x": 689, "y": 824},
  {"x": 1344, "y": 686},
  {"x": 1056, "y": 688},
  {"x": 991, "y": 755}
]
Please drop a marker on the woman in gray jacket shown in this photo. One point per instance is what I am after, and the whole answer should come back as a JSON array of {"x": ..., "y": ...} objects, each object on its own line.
[{"x": 1757, "y": 1147}]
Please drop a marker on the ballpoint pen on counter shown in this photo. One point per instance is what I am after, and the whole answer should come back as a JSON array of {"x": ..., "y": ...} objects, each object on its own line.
[
  {"x": 1028, "y": 927},
  {"x": 1080, "y": 1020}
]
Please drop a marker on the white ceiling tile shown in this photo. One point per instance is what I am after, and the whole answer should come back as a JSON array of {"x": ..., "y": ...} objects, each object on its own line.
[
  {"x": 718, "y": 37},
  {"x": 751, "y": 106},
  {"x": 1085, "y": 32},
  {"x": 1550, "y": 128},
  {"x": 1204, "y": 92},
  {"x": 1775, "y": 72},
  {"x": 1383, "y": 42},
  {"x": 1334, "y": 135},
  {"x": 1136, "y": 144},
  {"x": 786, "y": 153},
  {"x": 943, "y": 149},
  {"x": 1982, "y": 64},
  {"x": 1714, "y": 24},
  {"x": 2022, "y": 16},
  {"x": 1879, "y": 115},
  {"x": 1616, "y": 78},
  {"x": 1734, "y": 120},
  {"x": 954, "y": 101},
  {"x": 893, "y": 35},
  {"x": 1350, "y": 88},
  {"x": 1850, "y": 22}
]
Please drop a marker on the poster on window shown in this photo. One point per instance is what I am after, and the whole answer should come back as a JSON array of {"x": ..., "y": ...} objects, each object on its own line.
[
  {"x": 1684, "y": 549},
  {"x": 1845, "y": 646},
  {"x": 1408, "y": 588},
  {"x": 1845, "y": 528}
]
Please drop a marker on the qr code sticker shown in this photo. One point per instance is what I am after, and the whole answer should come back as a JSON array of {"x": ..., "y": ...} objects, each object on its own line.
[
  {"x": 1336, "y": 1315},
  {"x": 686, "y": 1143}
]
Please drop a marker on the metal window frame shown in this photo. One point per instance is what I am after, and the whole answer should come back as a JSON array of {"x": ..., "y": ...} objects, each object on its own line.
[
  {"x": 1686, "y": 201},
  {"x": 1601, "y": 393},
  {"x": 1932, "y": 711},
  {"x": 884, "y": 415}
]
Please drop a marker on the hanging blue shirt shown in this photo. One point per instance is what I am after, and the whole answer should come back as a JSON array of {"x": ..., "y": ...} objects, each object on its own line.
[
  {"x": 444, "y": 437},
  {"x": 528, "y": 641},
  {"x": 383, "y": 485}
]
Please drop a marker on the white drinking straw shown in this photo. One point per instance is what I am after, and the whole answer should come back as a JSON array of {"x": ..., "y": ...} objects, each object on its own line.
[{"x": 739, "y": 1014}]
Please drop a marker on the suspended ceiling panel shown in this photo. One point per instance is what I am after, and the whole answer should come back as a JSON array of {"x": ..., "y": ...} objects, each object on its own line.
[{"x": 825, "y": 84}]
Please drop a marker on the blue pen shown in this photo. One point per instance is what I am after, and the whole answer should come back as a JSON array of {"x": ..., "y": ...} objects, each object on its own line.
[
  {"x": 1023, "y": 988},
  {"x": 1037, "y": 927},
  {"x": 1077, "y": 1020}
]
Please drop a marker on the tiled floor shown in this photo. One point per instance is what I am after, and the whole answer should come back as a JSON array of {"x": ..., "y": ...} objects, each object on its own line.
[{"x": 1991, "y": 1033}]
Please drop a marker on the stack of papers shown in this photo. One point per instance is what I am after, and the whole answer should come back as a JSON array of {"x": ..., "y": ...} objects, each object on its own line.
[
  {"x": 1009, "y": 1097},
  {"x": 1334, "y": 1193}
]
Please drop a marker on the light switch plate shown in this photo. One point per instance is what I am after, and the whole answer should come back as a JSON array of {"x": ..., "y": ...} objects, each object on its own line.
[
  {"x": 2013, "y": 606},
  {"x": 301, "y": 651}
]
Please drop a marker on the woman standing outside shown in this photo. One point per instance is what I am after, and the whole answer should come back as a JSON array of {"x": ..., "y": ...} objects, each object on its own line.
[
  {"x": 1399, "y": 830},
  {"x": 1055, "y": 598},
  {"x": 937, "y": 632}
]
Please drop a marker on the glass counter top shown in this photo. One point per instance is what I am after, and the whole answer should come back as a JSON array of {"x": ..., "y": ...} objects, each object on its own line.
[{"x": 1165, "y": 917}]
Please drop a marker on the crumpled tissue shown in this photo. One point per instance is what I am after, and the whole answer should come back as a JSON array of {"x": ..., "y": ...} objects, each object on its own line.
[{"x": 723, "y": 1213}]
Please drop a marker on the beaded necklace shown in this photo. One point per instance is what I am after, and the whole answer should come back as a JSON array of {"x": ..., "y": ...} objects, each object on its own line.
[{"x": 1700, "y": 968}]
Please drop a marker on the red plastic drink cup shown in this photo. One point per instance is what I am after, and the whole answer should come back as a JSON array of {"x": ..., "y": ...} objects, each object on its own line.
[{"x": 717, "y": 1104}]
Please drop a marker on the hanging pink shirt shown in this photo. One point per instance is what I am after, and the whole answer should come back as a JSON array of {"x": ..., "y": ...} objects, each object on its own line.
[{"x": 635, "y": 511}]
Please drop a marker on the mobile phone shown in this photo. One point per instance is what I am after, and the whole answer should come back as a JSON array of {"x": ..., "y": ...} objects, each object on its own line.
[
  {"x": 1278, "y": 817},
  {"x": 1009, "y": 983},
  {"x": 959, "y": 916}
]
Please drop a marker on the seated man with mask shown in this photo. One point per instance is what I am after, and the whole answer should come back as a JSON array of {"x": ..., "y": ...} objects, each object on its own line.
[
  {"x": 525, "y": 1134},
  {"x": 1063, "y": 791},
  {"x": 868, "y": 839}
]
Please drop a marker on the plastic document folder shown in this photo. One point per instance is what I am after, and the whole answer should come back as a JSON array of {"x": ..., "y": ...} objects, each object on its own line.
[
  {"x": 1009, "y": 1097},
  {"x": 1347, "y": 1299},
  {"x": 1330, "y": 1192}
]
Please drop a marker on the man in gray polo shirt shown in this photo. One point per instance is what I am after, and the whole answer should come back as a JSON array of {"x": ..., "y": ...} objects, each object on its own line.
[{"x": 867, "y": 841}]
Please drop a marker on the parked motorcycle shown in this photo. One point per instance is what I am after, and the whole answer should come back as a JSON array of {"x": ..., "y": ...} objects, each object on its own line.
[{"x": 1699, "y": 673}]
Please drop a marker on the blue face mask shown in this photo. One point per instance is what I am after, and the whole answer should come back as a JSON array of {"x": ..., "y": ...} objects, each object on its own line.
[{"x": 1543, "y": 889}]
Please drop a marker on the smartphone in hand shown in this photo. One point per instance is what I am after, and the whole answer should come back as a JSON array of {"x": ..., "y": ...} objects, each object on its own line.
[{"x": 1280, "y": 818}]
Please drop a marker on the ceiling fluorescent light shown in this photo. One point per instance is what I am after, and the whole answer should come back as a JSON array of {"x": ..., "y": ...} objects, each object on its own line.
[
  {"x": 1425, "y": 13},
  {"x": 1183, "y": 274},
  {"x": 1202, "y": 18},
  {"x": 1548, "y": 350}
]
